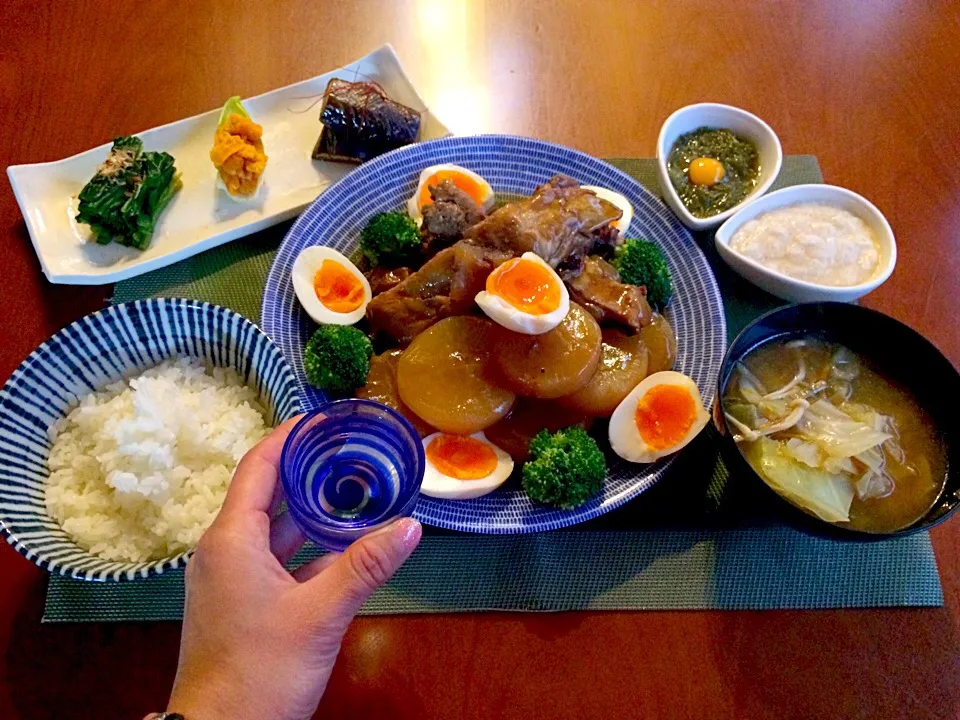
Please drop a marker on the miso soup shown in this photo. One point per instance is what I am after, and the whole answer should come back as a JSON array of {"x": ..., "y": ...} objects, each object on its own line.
[{"x": 834, "y": 437}]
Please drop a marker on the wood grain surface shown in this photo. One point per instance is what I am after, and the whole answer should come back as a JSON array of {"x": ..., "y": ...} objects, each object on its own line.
[{"x": 869, "y": 87}]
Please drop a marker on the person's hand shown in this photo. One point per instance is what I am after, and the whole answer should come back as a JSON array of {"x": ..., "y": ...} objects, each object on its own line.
[{"x": 257, "y": 641}]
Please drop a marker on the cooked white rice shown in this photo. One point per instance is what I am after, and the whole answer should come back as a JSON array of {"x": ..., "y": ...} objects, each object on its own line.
[{"x": 139, "y": 470}]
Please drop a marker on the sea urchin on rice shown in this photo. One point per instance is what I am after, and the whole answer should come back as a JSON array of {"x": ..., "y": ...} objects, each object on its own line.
[{"x": 139, "y": 470}]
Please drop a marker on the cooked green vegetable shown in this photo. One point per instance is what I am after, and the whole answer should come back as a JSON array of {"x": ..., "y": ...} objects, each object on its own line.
[
  {"x": 337, "y": 359},
  {"x": 641, "y": 262},
  {"x": 567, "y": 468},
  {"x": 827, "y": 495},
  {"x": 131, "y": 188},
  {"x": 233, "y": 106},
  {"x": 390, "y": 238},
  {"x": 741, "y": 170}
]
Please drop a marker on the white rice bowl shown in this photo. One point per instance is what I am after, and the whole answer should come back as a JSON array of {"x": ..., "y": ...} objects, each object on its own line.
[{"x": 139, "y": 470}]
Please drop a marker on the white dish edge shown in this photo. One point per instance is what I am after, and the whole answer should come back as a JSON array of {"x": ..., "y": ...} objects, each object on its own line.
[
  {"x": 57, "y": 238},
  {"x": 789, "y": 288},
  {"x": 716, "y": 115}
]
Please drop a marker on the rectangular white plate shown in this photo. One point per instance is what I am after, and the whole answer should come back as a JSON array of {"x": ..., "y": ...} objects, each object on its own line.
[{"x": 201, "y": 216}]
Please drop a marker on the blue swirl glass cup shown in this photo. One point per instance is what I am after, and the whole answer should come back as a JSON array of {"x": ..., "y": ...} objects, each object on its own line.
[{"x": 348, "y": 468}]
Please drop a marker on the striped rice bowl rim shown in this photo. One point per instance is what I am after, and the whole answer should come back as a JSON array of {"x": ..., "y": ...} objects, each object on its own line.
[{"x": 99, "y": 349}]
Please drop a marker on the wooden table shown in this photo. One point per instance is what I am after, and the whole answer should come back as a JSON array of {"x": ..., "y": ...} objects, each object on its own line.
[{"x": 869, "y": 87}]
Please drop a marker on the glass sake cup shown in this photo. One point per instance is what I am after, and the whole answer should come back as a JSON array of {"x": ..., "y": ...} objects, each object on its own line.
[{"x": 348, "y": 468}]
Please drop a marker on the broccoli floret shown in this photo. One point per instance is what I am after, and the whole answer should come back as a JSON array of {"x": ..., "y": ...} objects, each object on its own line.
[
  {"x": 337, "y": 359},
  {"x": 641, "y": 262},
  {"x": 123, "y": 201},
  {"x": 390, "y": 238},
  {"x": 567, "y": 468}
]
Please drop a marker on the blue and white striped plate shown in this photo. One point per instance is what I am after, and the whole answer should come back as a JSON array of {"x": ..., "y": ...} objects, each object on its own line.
[
  {"x": 93, "y": 352},
  {"x": 511, "y": 165}
]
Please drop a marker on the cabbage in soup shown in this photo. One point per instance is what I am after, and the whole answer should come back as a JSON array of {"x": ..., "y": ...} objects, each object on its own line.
[{"x": 834, "y": 437}]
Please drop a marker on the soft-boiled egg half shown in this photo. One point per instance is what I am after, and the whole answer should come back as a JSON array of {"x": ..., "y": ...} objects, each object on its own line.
[
  {"x": 330, "y": 287},
  {"x": 467, "y": 180},
  {"x": 525, "y": 295},
  {"x": 460, "y": 467},
  {"x": 615, "y": 198},
  {"x": 660, "y": 416}
]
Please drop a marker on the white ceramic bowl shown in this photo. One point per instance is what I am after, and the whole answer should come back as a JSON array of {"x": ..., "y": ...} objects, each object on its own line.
[
  {"x": 715, "y": 115},
  {"x": 787, "y": 287}
]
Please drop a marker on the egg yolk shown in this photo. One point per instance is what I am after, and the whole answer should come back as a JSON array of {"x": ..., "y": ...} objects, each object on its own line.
[
  {"x": 706, "y": 171},
  {"x": 461, "y": 457},
  {"x": 527, "y": 285},
  {"x": 337, "y": 288},
  {"x": 466, "y": 183},
  {"x": 664, "y": 415}
]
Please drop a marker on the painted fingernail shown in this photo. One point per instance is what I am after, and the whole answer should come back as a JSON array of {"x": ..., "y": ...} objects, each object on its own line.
[{"x": 408, "y": 531}]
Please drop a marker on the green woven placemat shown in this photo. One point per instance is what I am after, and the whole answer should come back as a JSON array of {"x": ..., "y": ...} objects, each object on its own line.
[
  {"x": 759, "y": 568},
  {"x": 698, "y": 540}
]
